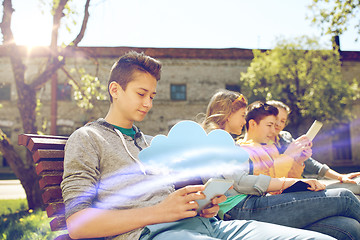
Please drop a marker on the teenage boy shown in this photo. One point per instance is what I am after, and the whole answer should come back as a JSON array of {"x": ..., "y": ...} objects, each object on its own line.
[
  {"x": 265, "y": 159},
  {"x": 283, "y": 140},
  {"x": 109, "y": 193}
]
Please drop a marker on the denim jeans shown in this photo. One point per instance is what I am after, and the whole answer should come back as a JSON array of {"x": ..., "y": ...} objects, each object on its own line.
[
  {"x": 198, "y": 228},
  {"x": 335, "y": 212}
]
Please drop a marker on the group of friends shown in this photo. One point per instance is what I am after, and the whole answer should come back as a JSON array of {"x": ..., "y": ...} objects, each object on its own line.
[{"x": 108, "y": 193}]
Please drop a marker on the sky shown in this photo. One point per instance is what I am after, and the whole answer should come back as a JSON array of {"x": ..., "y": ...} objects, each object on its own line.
[{"x": 254, "y": 24}]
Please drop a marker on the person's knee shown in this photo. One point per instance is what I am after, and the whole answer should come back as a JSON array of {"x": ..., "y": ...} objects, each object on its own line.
[
  {"x": 343, "y": 192},
  {"x": 338, "y": 227},
  {"x": 355, "y": 188},
  {"x": 348, "y": 193}
]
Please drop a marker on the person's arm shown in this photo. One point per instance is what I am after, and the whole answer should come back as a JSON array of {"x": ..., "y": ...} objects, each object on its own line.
[
  {"x": 298, "y": 166},
  {"x": 284, "y": 165},
  {"x": 247, "y": 184},
  {"x": 261, "y": 184},
  {"x": 311, "y": 165},
  {"x": 280, "y": 184},
  {"x": 315, "y": 168},
  {"x": 299, "y": 149},
  {"x": 344, "y": 178},
  {"x": 92, "y": 222}
]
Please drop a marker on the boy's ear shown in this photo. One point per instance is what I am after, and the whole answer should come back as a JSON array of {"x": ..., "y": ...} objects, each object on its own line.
[
  {"x": 114, "y": 89},
  {"x": 252, "y": 123}
]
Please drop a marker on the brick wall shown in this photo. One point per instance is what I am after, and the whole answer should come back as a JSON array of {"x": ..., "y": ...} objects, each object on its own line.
[{"x": 203, "y": 71}]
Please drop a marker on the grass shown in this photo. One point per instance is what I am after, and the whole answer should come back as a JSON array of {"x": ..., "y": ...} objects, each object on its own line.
[
  {"x": 16, "y": 222},
  {"x": 10, "y": 206}
]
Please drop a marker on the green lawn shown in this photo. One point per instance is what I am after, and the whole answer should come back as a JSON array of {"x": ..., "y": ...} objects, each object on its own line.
[{"x": 17, "y": 222}]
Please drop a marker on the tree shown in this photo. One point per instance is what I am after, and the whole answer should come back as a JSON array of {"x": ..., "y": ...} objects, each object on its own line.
[
  {"x": 308, "y": 81},
  {"x": 333, "y": 17},
  {"x": 27, "y": 90}
]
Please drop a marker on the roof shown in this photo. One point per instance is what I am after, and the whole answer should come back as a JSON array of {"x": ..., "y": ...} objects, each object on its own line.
[{"x": 184, "y": 53}]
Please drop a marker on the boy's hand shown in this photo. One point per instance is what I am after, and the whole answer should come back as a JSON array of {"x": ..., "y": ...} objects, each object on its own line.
[
  {"x": 298, "y": 148},
  {"x": 315, "y": 185},
  {"x": 304, "y": 155},
  {"x": 181, "y": 203},
  {"x": 349, "y": 178},
  {"x": 213, "y": 209}
]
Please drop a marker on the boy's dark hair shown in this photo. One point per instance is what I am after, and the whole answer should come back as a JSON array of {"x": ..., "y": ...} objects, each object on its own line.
[
  {"x": 123, "y": 69},
  {"x": 258, "y": 111}
]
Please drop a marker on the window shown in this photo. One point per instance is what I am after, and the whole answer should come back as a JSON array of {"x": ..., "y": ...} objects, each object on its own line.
[
  {"x": 178, "y": 92},
  {"x": 233, "y": 87},
  {"x": 64, "y": 92},
  {"x": 342, "y": 142},
  {"x": 5, "y": 92}
]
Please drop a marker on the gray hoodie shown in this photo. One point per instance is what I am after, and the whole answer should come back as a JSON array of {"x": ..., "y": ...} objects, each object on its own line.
[{"x": 101, "y": 170}]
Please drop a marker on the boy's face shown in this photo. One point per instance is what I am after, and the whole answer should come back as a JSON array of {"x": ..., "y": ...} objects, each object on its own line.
[
  {"x": 236, "y": 122},
  {"x": 265, "y": 130},
  {"x": 133, "y": 103},
  {"x": 281, "y": 121}
]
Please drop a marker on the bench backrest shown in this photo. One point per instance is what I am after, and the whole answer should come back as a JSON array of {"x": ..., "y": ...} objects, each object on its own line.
[{"x": 48, "y": 155}]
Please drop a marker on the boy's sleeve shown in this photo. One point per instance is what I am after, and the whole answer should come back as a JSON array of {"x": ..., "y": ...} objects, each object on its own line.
[
  {"x": 81, "y": 173},
  {"x": 314, "y": 167},
  {"x": 249, "y": 184}
]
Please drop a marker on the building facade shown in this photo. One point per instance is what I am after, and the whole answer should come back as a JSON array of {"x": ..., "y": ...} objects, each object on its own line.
[{"x": 189, "y": 79}]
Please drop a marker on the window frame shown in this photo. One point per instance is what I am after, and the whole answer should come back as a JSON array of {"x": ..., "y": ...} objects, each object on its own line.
[{"x": 174, "y": 95}]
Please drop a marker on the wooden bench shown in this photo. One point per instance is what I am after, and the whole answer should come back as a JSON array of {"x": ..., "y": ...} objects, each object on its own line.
[{"x": 48, "y": 155}]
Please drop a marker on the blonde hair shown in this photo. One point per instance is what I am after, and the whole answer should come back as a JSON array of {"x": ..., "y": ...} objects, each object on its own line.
[
  {"x": 279, "y": 104},
  {"x": 221, "y": 105}
]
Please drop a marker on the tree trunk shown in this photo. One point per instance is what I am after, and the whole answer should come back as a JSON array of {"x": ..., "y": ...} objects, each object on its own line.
[
  {"x": 295, "y": 112},
  {"x": 30, "y": 183},
  {"x": 24, "y": 172}
]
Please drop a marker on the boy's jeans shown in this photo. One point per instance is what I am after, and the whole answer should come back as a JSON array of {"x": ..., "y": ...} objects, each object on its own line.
[
  {"x": 198, "y": 228},
  {"x": 335, "y": 212}
]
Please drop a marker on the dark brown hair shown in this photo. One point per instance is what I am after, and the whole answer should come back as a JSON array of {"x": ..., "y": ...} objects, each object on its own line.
[
  {"x": 258, "y": 111},
  {"x": 123, "y": 69}
]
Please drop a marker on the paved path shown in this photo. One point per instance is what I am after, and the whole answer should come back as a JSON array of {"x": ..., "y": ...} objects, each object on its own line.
[{"x": 11, "y": 189}]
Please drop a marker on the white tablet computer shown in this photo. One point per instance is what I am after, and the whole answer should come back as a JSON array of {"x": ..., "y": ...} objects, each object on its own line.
[{"x": 213, "y": 187}]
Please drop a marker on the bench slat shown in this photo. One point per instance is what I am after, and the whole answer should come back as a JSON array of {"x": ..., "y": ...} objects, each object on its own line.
[
  {"x": 55, "y": 209},
  {"x": 50, "y": 168},
  {"x": 45, "y": 143},
  {"x": 63, "y": 237},
  {"x": 23, "y": 139},
  {"x": 51, "y": 195},
  {"x": 48, "y": 154},
  {"x": 48, "y": 181},
  {"x": 58, "y": 223}
]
